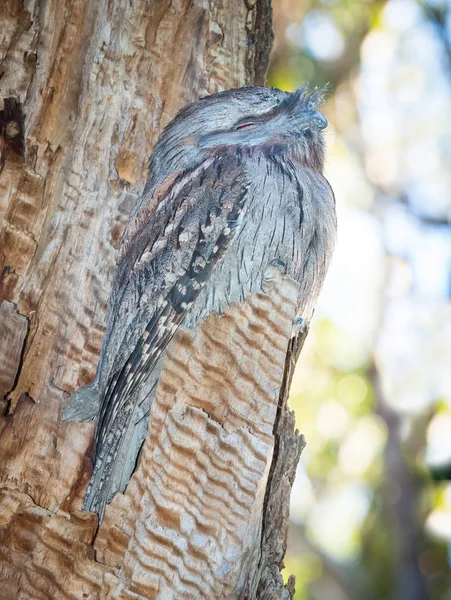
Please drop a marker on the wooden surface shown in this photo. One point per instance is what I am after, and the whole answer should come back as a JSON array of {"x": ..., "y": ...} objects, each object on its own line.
[
  {"x": 13, "y": 331},
  {"x": 199, "y": 489},
  {"x": 92, "y": 84},
  {"x": 190, "y": 522}
]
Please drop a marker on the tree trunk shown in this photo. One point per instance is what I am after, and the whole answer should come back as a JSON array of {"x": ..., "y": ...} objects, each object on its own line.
[{"x": 85, "y": 88}]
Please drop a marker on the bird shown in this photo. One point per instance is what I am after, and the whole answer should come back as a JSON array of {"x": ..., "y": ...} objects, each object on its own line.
[{"x": 235, "y": 186}]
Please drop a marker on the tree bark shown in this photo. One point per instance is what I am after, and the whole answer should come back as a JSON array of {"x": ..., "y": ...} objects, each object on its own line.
[{"x": 86, "y": 86}]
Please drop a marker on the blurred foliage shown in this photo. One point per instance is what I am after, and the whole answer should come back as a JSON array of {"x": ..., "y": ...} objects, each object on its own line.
[
  {"x": 372, "y": 390},
  {"x": 351, "y": 20}
]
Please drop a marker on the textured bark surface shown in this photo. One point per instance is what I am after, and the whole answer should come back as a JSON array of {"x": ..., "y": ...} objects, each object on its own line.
[
  {"x": 13, "y": 331},
  {"x": 85, "y": 89}
]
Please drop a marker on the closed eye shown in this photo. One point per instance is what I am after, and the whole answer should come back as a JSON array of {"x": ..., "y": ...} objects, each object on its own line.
[{"x": 243, "y": 126}]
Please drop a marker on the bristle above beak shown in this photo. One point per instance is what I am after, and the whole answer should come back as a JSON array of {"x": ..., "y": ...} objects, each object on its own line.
[{"x": 303, "y": 98}]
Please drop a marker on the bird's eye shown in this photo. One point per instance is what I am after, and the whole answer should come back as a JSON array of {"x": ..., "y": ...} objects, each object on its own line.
[{"x": 243, "y": 126}]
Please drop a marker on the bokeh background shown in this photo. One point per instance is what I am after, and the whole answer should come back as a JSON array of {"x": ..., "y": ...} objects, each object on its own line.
[{"x": 371, "y": 504}]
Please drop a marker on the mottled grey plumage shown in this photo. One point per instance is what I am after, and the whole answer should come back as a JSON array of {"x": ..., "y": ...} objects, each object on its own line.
[{"x": 235, "y": 185}]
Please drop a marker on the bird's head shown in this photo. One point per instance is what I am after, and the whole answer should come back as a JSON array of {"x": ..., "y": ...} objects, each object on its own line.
[{"x": 251, "y": 119}]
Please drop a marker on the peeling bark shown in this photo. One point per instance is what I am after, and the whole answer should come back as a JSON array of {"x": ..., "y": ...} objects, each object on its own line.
[
  {"x": 13, "y": 333},
  {"x": 11, "y": 129},
  {"x": 86, "y": 86},
  {"x": 269, "y": 585}
]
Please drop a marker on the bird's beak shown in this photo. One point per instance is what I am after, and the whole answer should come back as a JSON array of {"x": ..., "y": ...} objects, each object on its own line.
[{"x": 314, "y": 117}]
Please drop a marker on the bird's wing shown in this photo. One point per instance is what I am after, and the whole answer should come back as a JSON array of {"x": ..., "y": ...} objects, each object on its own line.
[{"x": 169, "y": 250}]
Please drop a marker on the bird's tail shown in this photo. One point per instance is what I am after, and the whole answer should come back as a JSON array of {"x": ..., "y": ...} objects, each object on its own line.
[
  {"x": 115, "y": 461},
  {"x": 116, "y": 457},
  {"x": 118, "y": 445}
]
